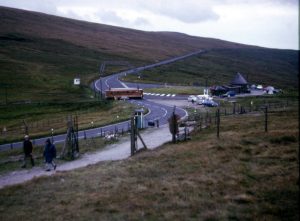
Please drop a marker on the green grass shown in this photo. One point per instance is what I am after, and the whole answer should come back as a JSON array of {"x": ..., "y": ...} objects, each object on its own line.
[
  {"x": 41, "y": 118},
  {"x": 37, "y": 85},
  {"x": 217, "y": 67},
  {"x": 37, "y": 70},
  {"x": 244, "y": 175},
  {"x": 176, "y": 90}
]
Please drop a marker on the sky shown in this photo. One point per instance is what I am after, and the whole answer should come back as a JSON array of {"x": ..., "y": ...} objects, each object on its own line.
[{"x": 267, "y": 23}]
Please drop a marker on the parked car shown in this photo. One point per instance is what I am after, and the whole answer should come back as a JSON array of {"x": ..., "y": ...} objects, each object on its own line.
[
  {"x": 192, "y": 98},
  {"x": 228, "y": 94},
  {"x": 210, "y": 103},
  {"x": 203, "y": 97},
  {"x": 259, "y": 87}
]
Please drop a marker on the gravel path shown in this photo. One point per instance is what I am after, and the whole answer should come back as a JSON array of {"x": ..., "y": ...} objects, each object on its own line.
[{"x": 153, "y": 137}]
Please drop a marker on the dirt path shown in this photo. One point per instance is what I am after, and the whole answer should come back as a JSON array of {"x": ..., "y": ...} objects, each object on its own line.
[{"x": 153, "y": 138}]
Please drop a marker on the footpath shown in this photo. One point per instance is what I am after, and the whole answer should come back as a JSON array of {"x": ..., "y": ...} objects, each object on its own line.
[{"x": 153, "y": 137}]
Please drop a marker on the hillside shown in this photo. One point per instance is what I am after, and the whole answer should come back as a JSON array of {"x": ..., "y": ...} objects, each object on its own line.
[
  {"x": 40, "y": 55},
  {"x": 105, "y": 38},
  {"x": 246, "y": 174},
  {"x": 258, "y": 65}
]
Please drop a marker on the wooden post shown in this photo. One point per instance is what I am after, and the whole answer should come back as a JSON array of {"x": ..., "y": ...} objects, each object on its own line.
[
  {"x": 6, "y": 95},
  {"x": 26, "y": 127},
  {"x": 266, "y": 118},
  {"x": 201, "y": 123},
  {"x": 233, "y": 111},
  {"x": 132, "y": 136},
  {"x": 218, "y": 123},
  {"x": 174, "y": 127}
]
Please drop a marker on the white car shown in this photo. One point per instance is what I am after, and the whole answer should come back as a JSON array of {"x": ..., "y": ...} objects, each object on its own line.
[
  {"x": 259, "y": 87},
  {"x": 192, "y": 98}
]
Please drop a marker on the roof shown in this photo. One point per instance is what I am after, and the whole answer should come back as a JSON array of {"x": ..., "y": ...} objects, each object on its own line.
[
  {"x": 123, "y": 89},
  {"x": 218, "y": 88},
  {"x": 239, "y": 80}
]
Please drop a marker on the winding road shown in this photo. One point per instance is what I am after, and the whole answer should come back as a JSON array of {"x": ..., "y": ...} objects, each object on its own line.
[{"x": 157, "y": 111}]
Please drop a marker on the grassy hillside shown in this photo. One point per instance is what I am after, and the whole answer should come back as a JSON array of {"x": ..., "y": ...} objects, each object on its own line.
[
  {"x": 40, "y": 55},
  {"x": 279, "y": 68},
  {"x": 247, "y": 174},
  {"x": 111, "y": 39}
]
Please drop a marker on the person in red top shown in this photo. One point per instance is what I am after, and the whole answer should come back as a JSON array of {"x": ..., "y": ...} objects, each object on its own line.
[{"x": 27, "y": 148}]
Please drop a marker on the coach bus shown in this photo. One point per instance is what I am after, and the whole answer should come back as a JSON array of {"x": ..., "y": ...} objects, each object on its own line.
[{"x": 123, "y": 93}]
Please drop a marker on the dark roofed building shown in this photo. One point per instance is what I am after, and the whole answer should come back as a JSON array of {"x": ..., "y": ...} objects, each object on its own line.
[
  {"x": 240, "y": 84},
  {"x": 239, "y": 80},
  {"x": 218, "y": 90}
]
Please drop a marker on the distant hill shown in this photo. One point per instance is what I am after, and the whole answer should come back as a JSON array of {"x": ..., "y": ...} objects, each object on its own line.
[
  {"x": 41, "y": 53},
  {"x": 106, "y": 38}
]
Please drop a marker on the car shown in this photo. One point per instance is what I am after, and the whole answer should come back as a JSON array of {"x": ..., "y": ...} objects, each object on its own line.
[
  {"x": 259, "y": 87},
  {"x": 210, "y": 103},
  {"x": 228, "y": 94},
  {"x": 192, "y": 98}
]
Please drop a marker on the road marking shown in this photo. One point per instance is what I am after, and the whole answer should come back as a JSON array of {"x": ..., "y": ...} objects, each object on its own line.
[
  {"x": 107, "y": 83},
  {"x": 165, "y": 110},
  {"x": 123, "y": 84}
]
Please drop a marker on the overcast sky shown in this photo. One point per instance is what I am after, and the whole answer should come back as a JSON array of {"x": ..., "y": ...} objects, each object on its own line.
[{"x": 268, "y": 23}]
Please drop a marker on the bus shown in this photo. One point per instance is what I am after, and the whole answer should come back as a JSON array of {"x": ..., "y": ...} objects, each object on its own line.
[{"x": 124, "y": 93}]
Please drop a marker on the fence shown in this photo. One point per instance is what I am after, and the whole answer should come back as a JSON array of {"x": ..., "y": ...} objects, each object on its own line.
[
  {"x": 203, "y": 120},
  {"x": 51, "y": 127}
]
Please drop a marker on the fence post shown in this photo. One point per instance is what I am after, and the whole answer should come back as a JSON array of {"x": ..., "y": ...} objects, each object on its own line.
[
  {"x": 266, "y": 118},
  {"x": 218, "y": 123},
  {"x": 132, "y": 137},
  {"x": 174, "y": 127},
  {"x": 233, "y": 111},
  {"x": 201, "y": 123}
]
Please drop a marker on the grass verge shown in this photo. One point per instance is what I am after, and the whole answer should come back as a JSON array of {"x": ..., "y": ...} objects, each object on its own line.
[
  {"x": 41, "y": 118},
  {"x": 247, "y": 174}
]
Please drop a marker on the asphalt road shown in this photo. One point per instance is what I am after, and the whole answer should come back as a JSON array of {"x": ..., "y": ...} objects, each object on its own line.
[{"x": 157, "y": 112}]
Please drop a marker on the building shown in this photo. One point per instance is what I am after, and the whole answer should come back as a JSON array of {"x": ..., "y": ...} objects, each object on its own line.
[{"x": 239, "y": 84}]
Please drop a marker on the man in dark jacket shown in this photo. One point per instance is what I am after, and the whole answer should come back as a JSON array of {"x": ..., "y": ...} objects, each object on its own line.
[
  {"x": 49, "y": 154},
  {"x": 27, "y": 148}
]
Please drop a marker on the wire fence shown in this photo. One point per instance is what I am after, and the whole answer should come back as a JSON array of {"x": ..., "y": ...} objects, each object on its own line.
[
  {"x": 201, "y": 120},
  {"x": 54, "y": 126}
]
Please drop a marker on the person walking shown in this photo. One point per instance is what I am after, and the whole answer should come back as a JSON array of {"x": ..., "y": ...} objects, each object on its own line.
[
  {"x": 27, "y": 149},
  {"x": 49, "y": 154}
]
